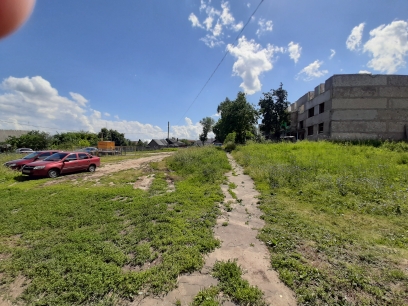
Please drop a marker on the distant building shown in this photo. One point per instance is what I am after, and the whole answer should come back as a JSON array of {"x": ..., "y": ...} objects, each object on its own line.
[
  {"x": 158, "y": 144},
  {"x": 4, "y": 134},
  {"x": 208, "y": 142},
  {"x": 353, "y": 106}
]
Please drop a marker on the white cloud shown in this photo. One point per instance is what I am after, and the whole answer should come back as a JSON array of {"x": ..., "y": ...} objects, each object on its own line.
[
  {"x": 80, "y": 99},
  {"x": 194, "y": 20},
  {"x": 106, "y": 114},
  {"x": 217, "y": 29},
  {"x": 312, "y": 71},
  {"x": 388, "y": 45},
  {"x": 215, "y": 22},
  {"x": 211, "y": 41},
  {"x": 332, "y": 53},
  {"x": 30, "y": 86},
  {"x": 32, "y": 103},
  {"x": 294, "y": 51},
  {"x": 116, "y": 117},
  {"x": 354, "y": 40},
  {"x": 203, "y": 5},
  {"x": 251, "y": 61},
  {"x": 187, "y": 131},
  {"x": 96, "y": 114},
  {"x": 264, "y": 26},
  {"x": 364, "y": 72}
]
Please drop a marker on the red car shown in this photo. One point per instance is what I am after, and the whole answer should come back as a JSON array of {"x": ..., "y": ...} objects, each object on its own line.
[
  {"x": 36, "y": 155},
  {"x": 61, "y": 163}
]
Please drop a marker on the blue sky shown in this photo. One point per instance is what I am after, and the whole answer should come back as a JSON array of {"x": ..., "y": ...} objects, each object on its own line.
[{"x": 135, "y": 65}]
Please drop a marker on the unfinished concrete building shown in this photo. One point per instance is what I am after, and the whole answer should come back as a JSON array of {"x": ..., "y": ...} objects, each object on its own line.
[{"x": 353, "y": 106}]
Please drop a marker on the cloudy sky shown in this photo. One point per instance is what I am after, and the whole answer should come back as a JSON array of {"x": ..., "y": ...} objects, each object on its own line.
[{"x": 133, "y": 66}]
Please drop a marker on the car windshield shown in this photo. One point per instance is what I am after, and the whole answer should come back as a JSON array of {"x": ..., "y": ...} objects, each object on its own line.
[
  {"x": 31, "y": 155},
  {"x": 56, "y": 156}
]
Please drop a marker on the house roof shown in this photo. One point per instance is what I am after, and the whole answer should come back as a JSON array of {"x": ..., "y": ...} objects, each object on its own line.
[{"x": 160, "y": 142}]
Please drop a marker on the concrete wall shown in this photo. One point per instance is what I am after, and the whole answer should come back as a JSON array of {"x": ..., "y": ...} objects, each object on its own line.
[
  {"x": 357, "y": 106},
  {"x": 6, "y": 133},
  {"x": 369, "y": 106}
]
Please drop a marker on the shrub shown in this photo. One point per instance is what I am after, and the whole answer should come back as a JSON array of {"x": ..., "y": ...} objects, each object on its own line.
[{"x": 230, "y": 146}]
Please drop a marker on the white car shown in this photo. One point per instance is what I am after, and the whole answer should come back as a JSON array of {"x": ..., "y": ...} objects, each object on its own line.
[{"x": 24, "y": 150}]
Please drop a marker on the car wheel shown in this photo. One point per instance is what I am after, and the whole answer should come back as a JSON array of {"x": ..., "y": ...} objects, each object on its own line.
[
  {"x": 53, "y": 173},
  {"x": 91, "y": 168}
]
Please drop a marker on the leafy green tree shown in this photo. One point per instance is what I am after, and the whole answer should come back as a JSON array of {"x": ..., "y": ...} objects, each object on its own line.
[
  {"x": 84, "y": 143},
  {"x": 237, "y": 116},
  {"x": 35, "y": 140},
  {"x": 231, "y": 137},
  {"x": 113, "y": 135},
  {"x": 207, "y": 124},
  {"x": 69, "y": 140},
  {"x": 273, "y": 110}
]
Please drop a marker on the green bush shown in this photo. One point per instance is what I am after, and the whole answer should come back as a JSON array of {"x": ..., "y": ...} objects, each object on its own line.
[{"x": 230, "y": 146}]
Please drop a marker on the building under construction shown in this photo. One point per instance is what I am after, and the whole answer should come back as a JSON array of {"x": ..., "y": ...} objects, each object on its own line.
[{"x": 353, "y": 106}]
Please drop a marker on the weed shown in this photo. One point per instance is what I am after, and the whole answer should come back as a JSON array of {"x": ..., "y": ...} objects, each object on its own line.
[
  {"x": 233, "y": 194},
  {"x": 207, "y": 297},
  {"x": 78, "y": 245},
  {"x": 227, "y": 206},
  {"x": 335, "y": 218},
  {"x": 225, "y": 223},
  {"x": 229, "y": 274}
]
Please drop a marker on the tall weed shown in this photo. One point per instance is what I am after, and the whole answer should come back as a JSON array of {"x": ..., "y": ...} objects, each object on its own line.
[{"x": 335, "y": 218}]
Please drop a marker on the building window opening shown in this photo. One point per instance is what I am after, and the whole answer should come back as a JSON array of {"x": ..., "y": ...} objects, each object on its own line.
[
  {"x": 321, "y": 128},
  {"x": 321, "y": 108},
  {"x": 301, "y": 124},
  {"x": 310, "y": 130},
  {"x": 311, "y": 112}
]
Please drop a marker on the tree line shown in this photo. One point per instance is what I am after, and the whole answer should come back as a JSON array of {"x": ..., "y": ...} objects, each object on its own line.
[
  {"x": 37, "y": 140},
  {"x": 239, "y": 119}
]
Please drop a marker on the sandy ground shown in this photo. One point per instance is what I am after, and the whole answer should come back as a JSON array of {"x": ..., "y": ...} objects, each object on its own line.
[{"x": 238, "y": 242}]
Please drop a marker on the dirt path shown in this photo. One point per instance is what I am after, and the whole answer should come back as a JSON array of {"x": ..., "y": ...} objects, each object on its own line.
[
  {"x": 238, "y": 242},
  {"x": 109, "y": 168}
]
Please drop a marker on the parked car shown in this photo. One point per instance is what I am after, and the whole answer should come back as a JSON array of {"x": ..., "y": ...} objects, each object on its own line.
[
  {"x": 90, "y": 150},
  {"x": 17, "y": 164},
  {"x": 62, "y": 163},
  {"x": 24, "y": 150}
]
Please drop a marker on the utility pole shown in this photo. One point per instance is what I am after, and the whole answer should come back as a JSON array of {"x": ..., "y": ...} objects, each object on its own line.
[{"x": 168, "y": 129}]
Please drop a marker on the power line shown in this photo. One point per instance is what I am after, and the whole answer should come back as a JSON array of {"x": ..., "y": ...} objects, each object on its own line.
[{"x": 222, "y": 59}]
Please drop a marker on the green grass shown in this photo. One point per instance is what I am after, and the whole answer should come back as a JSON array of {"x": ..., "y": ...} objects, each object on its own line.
[
  {"x": 99, "y": 244},
  {"x": 231, "y": 285},
  {"x": 335, "y": 218}
]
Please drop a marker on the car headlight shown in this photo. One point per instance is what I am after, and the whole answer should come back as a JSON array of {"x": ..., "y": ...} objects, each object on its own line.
[{"x": 39, "y": 167}]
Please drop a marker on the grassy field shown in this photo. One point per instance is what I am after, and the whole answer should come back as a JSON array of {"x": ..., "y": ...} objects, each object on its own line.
[
  {"x": 336, "y": 219},
  {"x": 102, "y": 244}
]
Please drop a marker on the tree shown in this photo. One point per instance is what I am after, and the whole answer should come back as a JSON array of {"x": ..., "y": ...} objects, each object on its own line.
[
  {"x": 237, "y": 116},
  {"x": 113, "y": 135},
  {"x": 207, "y": 124},
  {"x": 35, "y": 140},
  {"x": 69, "y": 140},
  {"x": 273, "y": 110}
]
